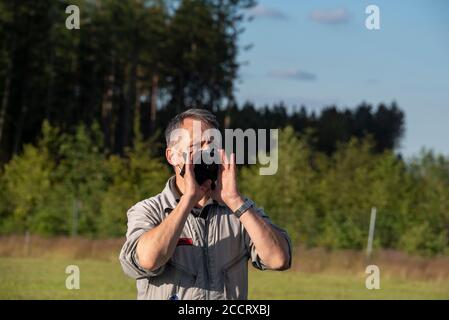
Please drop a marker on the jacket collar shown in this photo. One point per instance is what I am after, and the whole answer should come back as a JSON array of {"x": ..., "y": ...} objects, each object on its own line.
[{"x": 170, "y": 194}]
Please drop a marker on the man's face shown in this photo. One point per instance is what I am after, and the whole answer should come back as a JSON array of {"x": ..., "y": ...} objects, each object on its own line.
[{"x": 190, "y": 139}]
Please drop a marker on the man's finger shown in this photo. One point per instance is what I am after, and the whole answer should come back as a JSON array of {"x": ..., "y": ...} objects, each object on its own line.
[
  {"x": 224, "y": 159},
  {"x": 189, "y": 166},
  {"x": 232, "y": 164}
]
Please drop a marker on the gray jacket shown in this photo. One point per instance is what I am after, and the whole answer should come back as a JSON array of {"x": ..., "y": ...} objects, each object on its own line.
[{"x": 210, "y": 260}]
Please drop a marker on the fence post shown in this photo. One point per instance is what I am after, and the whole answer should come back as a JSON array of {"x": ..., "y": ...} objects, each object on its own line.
[{"x": 372, "y": 224}]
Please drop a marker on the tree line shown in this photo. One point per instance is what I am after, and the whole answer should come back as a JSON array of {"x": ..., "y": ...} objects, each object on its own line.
[{"x": 65, "y": 185}]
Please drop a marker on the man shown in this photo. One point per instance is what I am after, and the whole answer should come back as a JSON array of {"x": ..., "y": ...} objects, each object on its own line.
[{"x": 193, "y": 241}]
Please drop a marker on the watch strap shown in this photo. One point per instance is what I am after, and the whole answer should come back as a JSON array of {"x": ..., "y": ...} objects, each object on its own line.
[{"x": 244, "y": 207}]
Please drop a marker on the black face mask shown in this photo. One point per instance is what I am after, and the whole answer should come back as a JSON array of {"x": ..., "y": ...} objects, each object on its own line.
[{"x": 202, "y": 170}]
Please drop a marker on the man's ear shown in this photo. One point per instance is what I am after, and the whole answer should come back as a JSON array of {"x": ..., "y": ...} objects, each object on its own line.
[
  {"x": 172, "y": 156},
  {"x": 168, "y": 155}
]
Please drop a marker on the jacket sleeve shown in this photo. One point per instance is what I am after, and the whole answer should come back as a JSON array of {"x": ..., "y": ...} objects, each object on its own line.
[
  {"x": 142, "y": 217},
  {"x": 255, "y": 259}
]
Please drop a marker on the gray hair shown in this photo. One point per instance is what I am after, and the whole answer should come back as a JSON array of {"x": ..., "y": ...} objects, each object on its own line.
[{"x": 198, "y": 114}]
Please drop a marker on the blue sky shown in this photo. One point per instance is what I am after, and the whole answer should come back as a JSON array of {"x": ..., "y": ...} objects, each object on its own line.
[{"x": 316, "y": 53}]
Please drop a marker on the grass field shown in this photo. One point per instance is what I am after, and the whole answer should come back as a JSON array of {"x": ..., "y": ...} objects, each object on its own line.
[
  {"x": 34, "y": 268},
  {"x": 44, "y": 278}
]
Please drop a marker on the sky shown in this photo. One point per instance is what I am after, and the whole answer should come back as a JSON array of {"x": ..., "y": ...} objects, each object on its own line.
[{"x": 319, "y": 53}]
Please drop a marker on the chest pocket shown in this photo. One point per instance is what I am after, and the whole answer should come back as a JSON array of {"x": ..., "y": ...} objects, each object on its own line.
[{"x": 187, "y": 257}]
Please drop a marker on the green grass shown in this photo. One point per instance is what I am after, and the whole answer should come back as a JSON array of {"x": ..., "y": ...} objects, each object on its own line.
[{"x": 38, "y": 278}]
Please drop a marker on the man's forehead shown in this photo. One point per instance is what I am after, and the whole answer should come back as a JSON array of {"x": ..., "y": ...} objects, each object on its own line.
[
  {"x": 195, "y": 131},
  {"x": 190, "y": 124}
]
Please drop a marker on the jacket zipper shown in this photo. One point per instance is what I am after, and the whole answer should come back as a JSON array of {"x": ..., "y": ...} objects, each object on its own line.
[{"x": 206, "y": 256}]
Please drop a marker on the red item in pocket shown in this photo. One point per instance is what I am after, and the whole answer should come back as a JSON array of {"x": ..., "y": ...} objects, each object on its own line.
[{"x": 185, "y": 242}]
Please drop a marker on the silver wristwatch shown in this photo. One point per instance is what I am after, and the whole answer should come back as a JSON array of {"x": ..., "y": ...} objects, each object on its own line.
[{"x": 245, "y": 206}]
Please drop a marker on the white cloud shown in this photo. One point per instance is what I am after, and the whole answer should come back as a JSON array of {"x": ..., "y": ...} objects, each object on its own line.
[
  {"x": 332, "y": 16},
  {"x": 261, "y": 11},
  {"x": 293, "y": 74}
]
